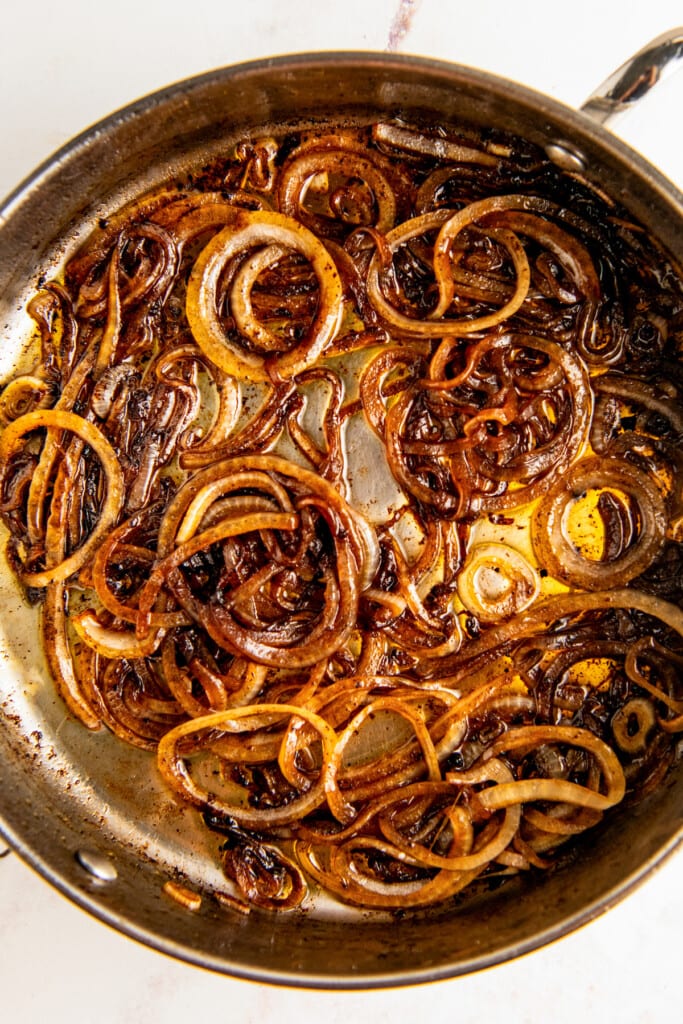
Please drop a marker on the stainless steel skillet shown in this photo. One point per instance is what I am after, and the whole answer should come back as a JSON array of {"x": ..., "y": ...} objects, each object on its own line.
[{"x": 89, "y": 814}]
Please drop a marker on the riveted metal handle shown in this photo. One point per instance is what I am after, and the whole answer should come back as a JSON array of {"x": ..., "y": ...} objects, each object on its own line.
[
  {"x": 636, "y": 77},
  {"x": 622, "y": 90}
]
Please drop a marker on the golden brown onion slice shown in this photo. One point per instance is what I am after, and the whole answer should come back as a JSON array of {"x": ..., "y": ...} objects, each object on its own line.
[
  {"x": 54, "y": 419},
  {"x": 449, "y": 225},
  {"x": 286, "y": 605},
  {"x": 195, "y": 736},
  {"x": 248, "y": 231},
  {"x": 641, "y": 502},
  {"x": 560, "y": 790},
  {"x": 491, "y": 435}
]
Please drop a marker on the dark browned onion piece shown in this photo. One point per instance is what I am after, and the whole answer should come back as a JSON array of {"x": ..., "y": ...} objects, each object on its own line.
[
  {"x": 327, "y": 605},
  {"x": 332, "y": 160},
  {"x": 448, "y": 224},
  {"x": 460, "y": 453},
  {"x": 264, "y": 875}
]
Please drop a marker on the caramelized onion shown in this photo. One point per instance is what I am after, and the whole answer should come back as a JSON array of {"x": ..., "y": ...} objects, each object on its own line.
[
  {"x": 173, "y": 767},
  {"x": 10, "y": 444},
  {"x": 430, "y": 145},
  {"x": 564, "y": 559},
  {"x": 348, "y": 478},
  {"x": 496, "y": 581},
  {"x": 270, "y": 230},
  {"x": 438, "y": 324},
  {"x": 334, "y": 158}
]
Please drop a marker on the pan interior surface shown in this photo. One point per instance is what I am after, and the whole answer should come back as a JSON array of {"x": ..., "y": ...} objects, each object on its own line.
[{"x": 92, "y": 815}]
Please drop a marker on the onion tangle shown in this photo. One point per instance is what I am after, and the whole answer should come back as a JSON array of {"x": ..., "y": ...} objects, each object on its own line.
[{"x": 348, "y": 482}]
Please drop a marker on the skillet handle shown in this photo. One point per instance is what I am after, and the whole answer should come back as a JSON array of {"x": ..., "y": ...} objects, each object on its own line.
[{"x": 634, "y": 79}]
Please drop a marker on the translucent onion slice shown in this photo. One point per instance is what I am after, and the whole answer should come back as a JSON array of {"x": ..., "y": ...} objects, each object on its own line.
[
  {"x": 114, "y": 643},
  {"x": 431, "y": 145},
  {"x": 172, "y": 754},
  {"x": 338, "y": 879},
  {"x": 341, "y": 808},
  {"x": 496, "y": 581},
  {"x": 240, "y": 296},
  {"x": 447, "y": 733},
  {"x": 560, "y": 790},
  {"x": 55, "y": 636},
  {"x": 493, "y": 771},
  {"x": 38, "y": 504},
  {"x": 215, "y": 489},
  {"x": 22, "y": 395},
  {"x": 538, "y": 619}
]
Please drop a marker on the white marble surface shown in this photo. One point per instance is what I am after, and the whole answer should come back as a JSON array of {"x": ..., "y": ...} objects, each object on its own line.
[{"x": 62, "y": 67}]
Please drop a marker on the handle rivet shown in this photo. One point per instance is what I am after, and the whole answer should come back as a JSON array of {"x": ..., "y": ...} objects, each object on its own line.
[
  {"x": 97, "y": 865},
  {"x": 566, "y": 157}
]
